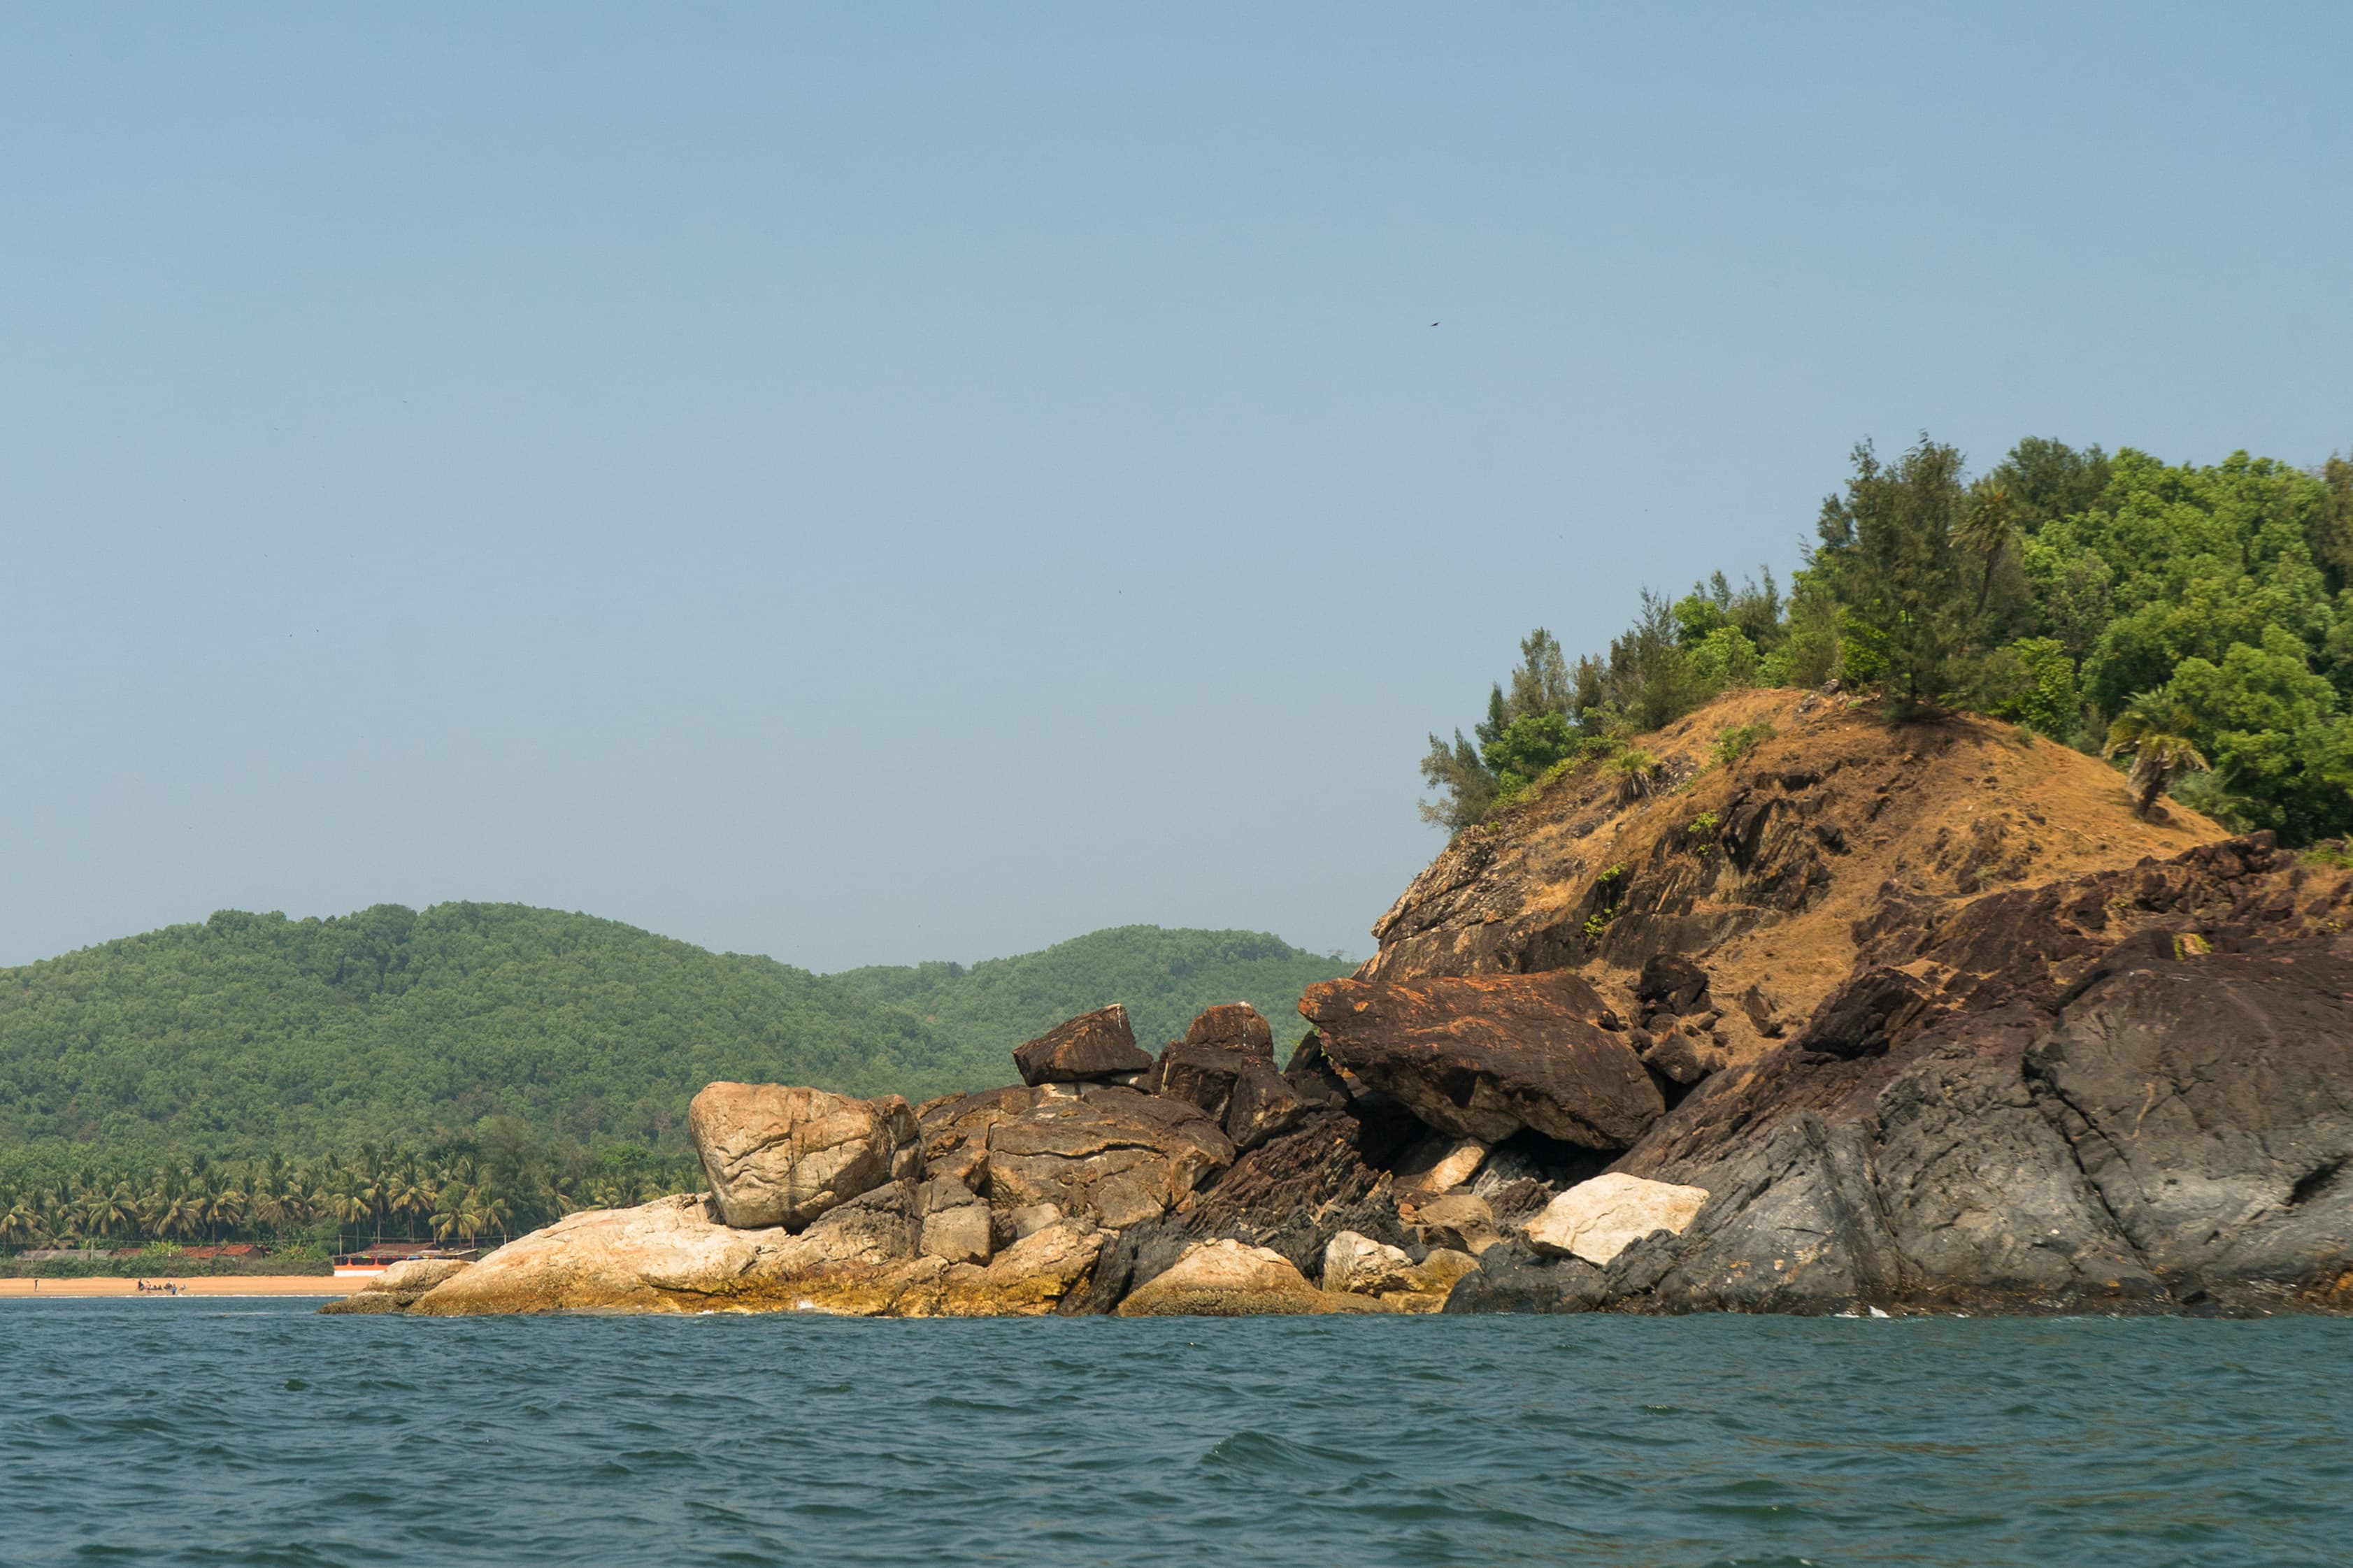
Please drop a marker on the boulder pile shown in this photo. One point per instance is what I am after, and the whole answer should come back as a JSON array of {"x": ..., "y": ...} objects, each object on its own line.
[{"x": 1614, "y": 1063}]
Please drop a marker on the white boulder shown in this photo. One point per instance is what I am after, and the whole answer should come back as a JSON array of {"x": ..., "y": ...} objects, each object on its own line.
[
  {"x": 1598, "y": 1219},
  {"x": 1359, "y": 1264}
]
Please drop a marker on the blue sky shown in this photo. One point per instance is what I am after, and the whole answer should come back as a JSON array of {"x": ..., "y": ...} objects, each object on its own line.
[{"x": 865, "y": 484}]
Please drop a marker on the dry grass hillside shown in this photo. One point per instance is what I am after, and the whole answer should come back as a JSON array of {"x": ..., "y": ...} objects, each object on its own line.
[{"x": 1779, "y": 865}]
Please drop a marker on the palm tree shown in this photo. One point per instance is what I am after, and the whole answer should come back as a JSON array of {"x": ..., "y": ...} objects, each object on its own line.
[
  {"x": 2155, "y": 729},
  {"x": 181, "y": 1213},
  {"x": 410, "y": 1194},
  {"x": 154, "y": 1205},
  {"x": 195, "y": 1187},
  {"x": 1638, "y": 775},
  {"x": 495, "y": 1211},
  {"x": 457, "y": 1214},
  {"x": 341, "y": 1197},
  {"x": 225, "y": 1207},
  {"x": 56, "y": 1211},
  {"x": 268, "y": 1206},
  {"x": 105, "y": 1210},
  {"x": 20, "y": 1218}
]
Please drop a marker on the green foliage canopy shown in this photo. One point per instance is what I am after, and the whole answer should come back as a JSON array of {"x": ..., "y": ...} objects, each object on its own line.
[{"x": 2055, "y": 589}]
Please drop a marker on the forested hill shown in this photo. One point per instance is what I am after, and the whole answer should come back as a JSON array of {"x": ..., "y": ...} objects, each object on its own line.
[
  {"x": 1164, "y": 976},
  {"x": 254, "y": 1032}
]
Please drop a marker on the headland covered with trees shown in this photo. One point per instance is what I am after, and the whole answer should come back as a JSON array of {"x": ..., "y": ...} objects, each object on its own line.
[
  {"x": 470, "y": 1071},
  {"x": 2194, "y": 623}
]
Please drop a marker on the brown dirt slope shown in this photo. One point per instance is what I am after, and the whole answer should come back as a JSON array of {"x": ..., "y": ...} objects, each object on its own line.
[{"x": 1777, "y": 869}]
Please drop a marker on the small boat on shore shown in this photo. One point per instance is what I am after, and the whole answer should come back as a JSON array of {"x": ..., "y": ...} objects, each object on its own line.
[{"x": 376, "y": 1257}]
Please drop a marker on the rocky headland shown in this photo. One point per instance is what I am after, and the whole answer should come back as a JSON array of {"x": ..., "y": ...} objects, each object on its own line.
[{"x": 1918, "y": 1017}]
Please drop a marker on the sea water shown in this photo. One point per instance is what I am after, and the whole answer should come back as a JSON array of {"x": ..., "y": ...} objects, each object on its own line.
[{"x": 203, "y": 1431}]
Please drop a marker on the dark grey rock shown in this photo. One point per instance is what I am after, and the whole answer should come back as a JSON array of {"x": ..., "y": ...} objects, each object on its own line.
[
  {"x": 1677, "y": 1057},
  {"x": 1201, "y": 1076},
  {"x": 1672, "y": 985},
  {"x": 365, "y": 1303},
  {"x": 1511, "y": 1277},
  {"x": 1984, "y": 1197},
  {"x": 1792, "y": 1224},
  {"x": 1262, "y": 1104},
  {"x": 1863, "y": 1016},
  {"x": 1136, "y": 1256},
  {"x": 1314, "y": 1079},
  {"x": 2210, "y": 1101}
]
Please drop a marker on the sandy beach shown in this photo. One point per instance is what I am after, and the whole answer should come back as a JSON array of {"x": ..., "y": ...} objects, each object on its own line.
[{"x": 195, "y": 1285}]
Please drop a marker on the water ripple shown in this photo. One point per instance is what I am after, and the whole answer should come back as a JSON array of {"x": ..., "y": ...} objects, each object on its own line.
[{"x": 268, "y": 1436}]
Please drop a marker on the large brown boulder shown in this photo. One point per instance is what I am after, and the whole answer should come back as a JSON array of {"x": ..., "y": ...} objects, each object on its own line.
[
  {"x": 1225, "y": 1066},
  {"x": 956, "y": 1222},
  {"x": 1093, "y": 1046},
  {"x": 1028, "y": 1279},
  {"x": 780, "y": 1155},
  {"x": 1485, "y": 1056},
  {"x": 1201, "y": 1076},
  {"x": 1108, "y": 1154},
  {"x": 1092, "y": 1151},
  {"x": 1236, "y": 1025}
]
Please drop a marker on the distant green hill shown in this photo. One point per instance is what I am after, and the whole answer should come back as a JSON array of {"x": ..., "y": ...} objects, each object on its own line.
[
  {"x": 252, "y": 1033},
  {"x": 1163, "y": 977}
]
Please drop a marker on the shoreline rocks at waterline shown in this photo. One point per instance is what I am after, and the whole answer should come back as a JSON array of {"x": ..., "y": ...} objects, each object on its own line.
[
  {"x": 400, "y": 1287},
  {"x": 1964, "y": 1122},
  {"x": 861, "y": 1259}
]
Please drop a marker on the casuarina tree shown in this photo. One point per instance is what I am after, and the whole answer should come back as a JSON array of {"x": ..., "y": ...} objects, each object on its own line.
[{"x": 1891, "y": 551}]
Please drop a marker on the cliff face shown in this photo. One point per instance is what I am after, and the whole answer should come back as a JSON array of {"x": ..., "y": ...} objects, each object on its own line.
[{"x": 1968, "y": 1032}]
